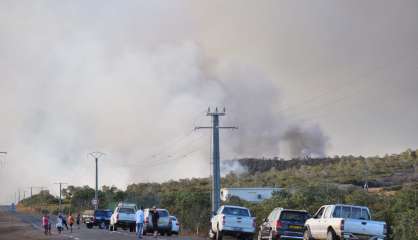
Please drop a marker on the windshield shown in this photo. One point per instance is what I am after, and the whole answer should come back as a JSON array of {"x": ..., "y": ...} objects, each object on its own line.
[
  {"x": 236, "y": 211},
  {"x": 126, "y": 210},
  {"x": 294, "y": 216}
]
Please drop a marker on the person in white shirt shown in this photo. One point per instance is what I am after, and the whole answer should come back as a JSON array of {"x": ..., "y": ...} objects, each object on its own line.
[{"x": 139, "y": 216}]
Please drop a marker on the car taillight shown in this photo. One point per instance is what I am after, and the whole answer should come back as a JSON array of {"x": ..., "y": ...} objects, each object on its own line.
[
  {"x": 342, "y": 226},
  {"x": 279, "y": 224},
  {"x": 223, "y": 220},
  {"x": 254, "y": 223},
  {"x": 146, "y": 220}
]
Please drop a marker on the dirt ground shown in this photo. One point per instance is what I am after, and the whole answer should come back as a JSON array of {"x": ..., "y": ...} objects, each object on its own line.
[{"x": 12, "y": 228}]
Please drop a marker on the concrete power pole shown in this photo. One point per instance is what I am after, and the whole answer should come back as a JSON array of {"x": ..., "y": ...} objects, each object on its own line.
[
  {"x": 216, "y": 174},
  {"x": 59, "y": 203},
  {"x": 96, "y": 156}
]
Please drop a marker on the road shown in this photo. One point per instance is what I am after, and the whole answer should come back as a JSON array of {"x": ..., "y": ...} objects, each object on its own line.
[{"x": 87, "y": 234}]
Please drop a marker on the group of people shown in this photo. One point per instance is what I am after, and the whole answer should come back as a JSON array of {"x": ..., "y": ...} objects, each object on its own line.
[
  {"x": 139, "y": 216},
  {"x": 62, "y": 222}
]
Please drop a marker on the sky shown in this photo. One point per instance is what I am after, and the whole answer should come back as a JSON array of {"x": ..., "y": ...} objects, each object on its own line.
[{"x": 132, "y": 79}]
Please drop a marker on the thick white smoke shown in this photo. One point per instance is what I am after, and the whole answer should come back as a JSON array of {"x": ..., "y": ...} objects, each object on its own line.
[{"x": 68, "y": 88}]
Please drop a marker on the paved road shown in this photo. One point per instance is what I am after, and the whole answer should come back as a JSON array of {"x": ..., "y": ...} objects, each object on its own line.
[{"x": 91, "y": 234}]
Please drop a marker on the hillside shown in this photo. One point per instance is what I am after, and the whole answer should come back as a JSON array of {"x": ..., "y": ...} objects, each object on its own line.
[
  {"x": 309, "y": 184},
  {"x": 386, "y": 171}
]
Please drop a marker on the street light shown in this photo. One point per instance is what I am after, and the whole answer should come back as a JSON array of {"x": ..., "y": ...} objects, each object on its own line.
[{"x": 96, "y": 156}]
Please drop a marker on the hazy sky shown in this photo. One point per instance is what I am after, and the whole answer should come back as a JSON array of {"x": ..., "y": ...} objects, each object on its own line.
[{"x": 133, "y": 78}]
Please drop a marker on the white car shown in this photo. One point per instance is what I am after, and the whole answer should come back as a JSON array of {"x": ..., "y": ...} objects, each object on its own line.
[
  {"x": 233, "y": 221},
  {"x": 332, "y": 222},
  {"x": 124, "y": 217},
  {"x": 164, "y": 226},
  {"x": 175, "y": 225}
]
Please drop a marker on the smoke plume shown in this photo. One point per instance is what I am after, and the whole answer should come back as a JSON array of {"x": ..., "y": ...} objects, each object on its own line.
[{"x": 71, "y": 84}]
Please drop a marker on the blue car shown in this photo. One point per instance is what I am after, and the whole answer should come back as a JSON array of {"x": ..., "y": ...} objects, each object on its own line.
[{"x": 283, "y": 224}]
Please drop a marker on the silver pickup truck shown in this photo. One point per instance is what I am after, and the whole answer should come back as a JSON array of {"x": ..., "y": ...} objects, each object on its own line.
[{"x": 332, "y": 222}]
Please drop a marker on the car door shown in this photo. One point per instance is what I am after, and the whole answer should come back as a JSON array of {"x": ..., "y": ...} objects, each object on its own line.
[
  {"x": 315, "y": 223},
  {"x": 323, "y": 228}
]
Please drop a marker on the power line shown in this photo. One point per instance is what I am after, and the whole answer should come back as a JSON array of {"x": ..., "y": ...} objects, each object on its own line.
[
  {"x": 169, "y": 158},
  {"x": 335, "y": 91}
]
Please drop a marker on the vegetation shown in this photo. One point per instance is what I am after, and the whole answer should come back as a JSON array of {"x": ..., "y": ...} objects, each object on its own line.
[{"x": 308, "y": 183}]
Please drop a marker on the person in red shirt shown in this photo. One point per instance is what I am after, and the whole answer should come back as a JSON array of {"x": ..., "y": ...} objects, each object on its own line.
[
  {"x": 71, "y": 221},
  {"x": 45, "y": 223}
]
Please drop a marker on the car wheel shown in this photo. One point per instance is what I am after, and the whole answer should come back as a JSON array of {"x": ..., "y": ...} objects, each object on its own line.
[
  {"x": 307, "y": 235},
  {"x": 219, "y": 235},
  {"x": 331, "y": 235},
  {"x": 271, "y": 236}
]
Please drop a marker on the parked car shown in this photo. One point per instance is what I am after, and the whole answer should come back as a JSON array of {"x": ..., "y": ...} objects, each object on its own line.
[
  {"x": 164, "y": 223},
  {"x": 340, "y": 221},
  {"x": 232, "y": 221},
  {"x": 175, "y": 225},
  {"x": 87, "y": 215},
  {"x": 124, "y": 217},
  {"x": 101, "y": 219},
  {"x": 283, "y": 224}
]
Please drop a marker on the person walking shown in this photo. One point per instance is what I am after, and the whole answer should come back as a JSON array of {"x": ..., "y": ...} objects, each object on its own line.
[
  {"x": 78, "y": 220},
  {"x": 71, "y": 221},
  {"x": 139, "y": 222},
  {"x": 45, "y": 223},
  {"x": 64, "y": 222},
  {"x": 59, "y": 224},
  {"x": 155, "y": 217}
]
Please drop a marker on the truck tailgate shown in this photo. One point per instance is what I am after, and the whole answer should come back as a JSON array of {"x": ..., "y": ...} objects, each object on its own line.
[
  {"x": 364, "y": 227},
  {"x": 238, "y": 222},
  {"x": 126, "y": 217}
]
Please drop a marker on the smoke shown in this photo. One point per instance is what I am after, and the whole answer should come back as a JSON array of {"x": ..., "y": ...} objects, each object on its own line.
[
  {"x": 235, "y": 167},
  {"x": 306, "y": 141},
  {"x": 71, "y": 84}
]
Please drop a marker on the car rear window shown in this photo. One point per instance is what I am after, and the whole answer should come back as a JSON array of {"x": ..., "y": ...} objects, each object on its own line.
[
  {"x": 294, "y": 216},
  {"x": 163, "y": 213},
  {"x": 351, "y": 212},
  {"x": 126, "y": 210},
  {"x": 104, "y": 213},
  {"x": 236, "y": 211}
]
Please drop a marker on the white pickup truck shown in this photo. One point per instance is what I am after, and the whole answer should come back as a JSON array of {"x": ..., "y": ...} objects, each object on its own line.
[
  {"x": 124, "y": 217},
  {"x": 332, "y": 222},
  {"x": 232, "y": 221}
]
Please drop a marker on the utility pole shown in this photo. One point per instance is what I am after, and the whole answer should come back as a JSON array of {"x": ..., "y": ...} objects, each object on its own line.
[
  {"x": 96, "y": 156},
  {"x": 216, "y": 169},
  {"x": 59, "y": 204}
]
